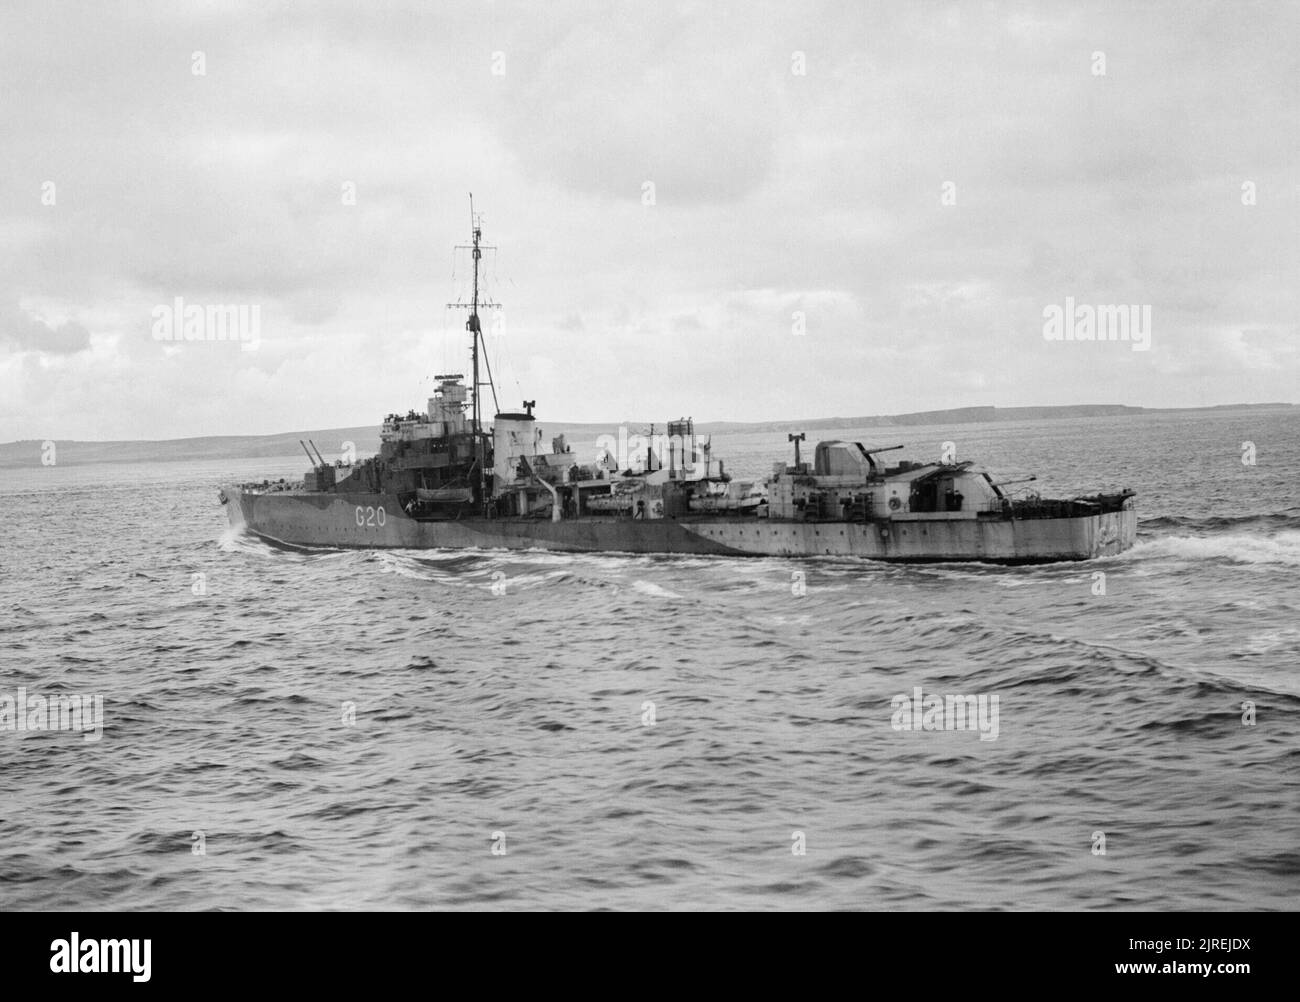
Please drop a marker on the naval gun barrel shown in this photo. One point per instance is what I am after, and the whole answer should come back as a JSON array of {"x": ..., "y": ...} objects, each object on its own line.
[{"x": 309, "y": 455}]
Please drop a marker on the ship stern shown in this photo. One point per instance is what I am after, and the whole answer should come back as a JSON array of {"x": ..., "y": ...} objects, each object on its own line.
[{"x": 1116, "y": 531}]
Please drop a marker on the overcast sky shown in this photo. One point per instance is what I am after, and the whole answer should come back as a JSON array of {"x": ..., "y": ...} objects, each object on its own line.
[{"x": 775, "y": 193}]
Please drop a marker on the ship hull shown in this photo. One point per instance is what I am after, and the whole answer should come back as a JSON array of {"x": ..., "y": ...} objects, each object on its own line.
[{"x": 369, "y": 521}]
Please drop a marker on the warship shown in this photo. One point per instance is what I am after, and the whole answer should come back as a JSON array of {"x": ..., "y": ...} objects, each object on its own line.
[{"x": 445, "y": 478}]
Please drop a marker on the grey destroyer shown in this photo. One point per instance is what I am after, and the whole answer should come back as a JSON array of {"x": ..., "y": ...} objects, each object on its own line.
[{"x": 444, "y": 477}]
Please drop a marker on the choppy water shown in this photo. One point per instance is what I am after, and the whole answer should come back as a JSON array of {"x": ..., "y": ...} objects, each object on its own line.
[{"x": 525, "y": 712}]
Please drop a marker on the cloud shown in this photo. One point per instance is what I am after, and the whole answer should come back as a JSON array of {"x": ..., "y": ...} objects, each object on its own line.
[
  {"x": 20, "y": 331},
  {"x": 615, "y": 103},
  {"x": 775, "y": 194}
]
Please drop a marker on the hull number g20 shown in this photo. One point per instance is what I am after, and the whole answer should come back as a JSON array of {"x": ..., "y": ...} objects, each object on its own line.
[{"x": 368, "y": 517}]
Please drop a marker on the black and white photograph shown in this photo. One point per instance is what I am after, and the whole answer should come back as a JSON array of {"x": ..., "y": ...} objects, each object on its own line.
[{"x": 482, "y": 456}]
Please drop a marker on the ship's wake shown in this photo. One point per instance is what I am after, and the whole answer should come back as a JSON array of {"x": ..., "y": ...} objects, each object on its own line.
[
  {"x": 1281, "y": 548},
  {"x": 234, "y": 540}
]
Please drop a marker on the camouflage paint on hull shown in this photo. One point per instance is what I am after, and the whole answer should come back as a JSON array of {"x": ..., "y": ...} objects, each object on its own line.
[{"x": 377, "y": 521}]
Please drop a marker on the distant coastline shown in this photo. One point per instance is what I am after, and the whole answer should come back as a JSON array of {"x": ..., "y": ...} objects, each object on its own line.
[{"x": 365, "y": 438}]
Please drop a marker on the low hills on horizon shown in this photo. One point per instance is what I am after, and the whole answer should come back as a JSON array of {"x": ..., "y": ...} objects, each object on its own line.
[{"x": 365, "y": 438}]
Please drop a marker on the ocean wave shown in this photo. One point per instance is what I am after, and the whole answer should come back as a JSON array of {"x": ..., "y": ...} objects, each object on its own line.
[
  {"x": 653, "y": 590},
  {"x": 351, "y": 728},
  {"x": 1287, "y": 519}
]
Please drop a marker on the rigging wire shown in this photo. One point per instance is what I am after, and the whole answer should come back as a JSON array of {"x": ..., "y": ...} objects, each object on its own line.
[
  {"x": 502, "y": 346},
  {"x": 491, "y": 383}
]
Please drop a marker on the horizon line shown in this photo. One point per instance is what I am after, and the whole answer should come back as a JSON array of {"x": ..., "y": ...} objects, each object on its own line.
[{"x": 718, "y": 421}]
